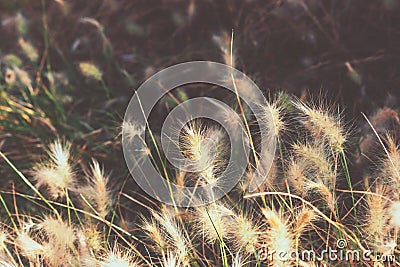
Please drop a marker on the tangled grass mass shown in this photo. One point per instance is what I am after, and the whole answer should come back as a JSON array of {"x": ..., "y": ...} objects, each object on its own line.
[{"x": 330, "y": 198}]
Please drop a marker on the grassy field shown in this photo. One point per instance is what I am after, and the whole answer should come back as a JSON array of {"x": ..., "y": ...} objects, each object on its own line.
[{"x": 329, "y": 73}]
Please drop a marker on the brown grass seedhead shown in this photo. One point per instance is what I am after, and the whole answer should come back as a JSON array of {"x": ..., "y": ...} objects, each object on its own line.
[
  {"x": 245, "y": 233},
  {"x": 323, "y": 123},
  {"x": 390, "y": 168},
  {"x": 59, "y": 233},
  {"x": 97, "y": 192},
  {"x": 171, "y": 233},
  {"x": 377, "y": 222}
]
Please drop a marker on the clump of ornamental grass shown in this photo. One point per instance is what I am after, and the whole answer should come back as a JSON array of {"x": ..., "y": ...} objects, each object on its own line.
[
  {"x": 280, "y": 216},
  {"x": 221, "y": 232},
  {"x": 227, "y": 232}
]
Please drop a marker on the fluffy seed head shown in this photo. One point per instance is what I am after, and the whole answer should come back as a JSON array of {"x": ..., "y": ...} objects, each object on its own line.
[
  {"x": 97, "y": 191},
  {"x": 28, "y": 246},
  {"x": 296, "y": 173},
  {"x": 171, "y": 232},
  {"x": 118, "y": 258},
  {"x": 245, "y": 234},
  {"x": 322, "y": 123},
  {"x": 213, "y": 221},
  {"x": 56, "y": 175},
  {"x": 391, "y": 165},
  {"x": 204, "y": 148},
  {"x": 377, "y": 219},
  {"x": 272, "y": 117},
  {"x": 314, "y": 163},
  {"x": 92, "y": 237},
  {"x": 154, "y": 233},
  {"x": 316, "y": 158},
  {"x": 59, "y": 233},
  {"x": 279, "y": 237},
  {"x": 304, "y": 220}
]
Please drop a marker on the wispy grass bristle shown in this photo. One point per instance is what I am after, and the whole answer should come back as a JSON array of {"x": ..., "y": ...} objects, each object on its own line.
[
  {"x": 56, "y": 174},
  {"x": 323, "y": 123},
  {"x": 98, "y": 191}
]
